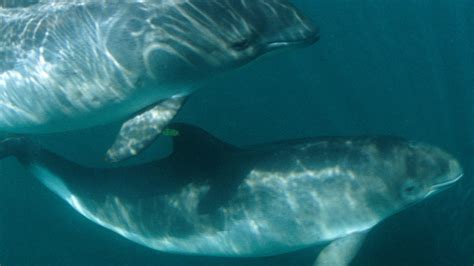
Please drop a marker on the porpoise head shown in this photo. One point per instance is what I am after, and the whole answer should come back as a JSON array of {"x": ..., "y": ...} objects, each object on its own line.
[
  {"x": 429, "y": 170},
  {"x": 418, "y": 171},
  {"x": 189, "y": 40},
  {"x": 368, "y": 179}
]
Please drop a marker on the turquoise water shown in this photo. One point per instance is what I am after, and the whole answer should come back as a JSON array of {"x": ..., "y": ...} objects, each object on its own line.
[{"x": 381, "y": 67}]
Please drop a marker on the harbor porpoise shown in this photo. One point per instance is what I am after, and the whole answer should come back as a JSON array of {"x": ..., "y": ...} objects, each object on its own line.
[
  {"x": 211, "y": 198},
  {"x": 67, "y": 65}
]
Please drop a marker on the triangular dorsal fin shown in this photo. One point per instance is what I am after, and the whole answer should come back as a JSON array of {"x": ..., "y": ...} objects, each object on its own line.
[{"x": 192, "y": 140}]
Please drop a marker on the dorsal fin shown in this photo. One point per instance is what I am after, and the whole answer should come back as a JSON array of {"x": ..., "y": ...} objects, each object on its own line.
[
  {"x": 12, "y": 145},
  {"x": 192, "y": 140}
]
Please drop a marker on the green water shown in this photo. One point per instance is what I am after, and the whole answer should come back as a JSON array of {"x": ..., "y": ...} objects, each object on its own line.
[{"x": 381, "y": 67}]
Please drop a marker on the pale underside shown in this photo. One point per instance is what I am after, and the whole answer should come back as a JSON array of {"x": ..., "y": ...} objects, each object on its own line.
[{"x": 260, "y": 221}]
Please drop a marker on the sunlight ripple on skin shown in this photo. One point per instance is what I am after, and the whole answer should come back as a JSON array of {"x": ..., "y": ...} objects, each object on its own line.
[
  {"x": 282, "y": 198},
  {"x": 107, "y": 70}
]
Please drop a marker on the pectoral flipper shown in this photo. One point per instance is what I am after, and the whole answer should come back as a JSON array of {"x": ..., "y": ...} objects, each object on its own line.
[
  {"x": 340, "y": 252},
  {"x": 140, "y": 131}
]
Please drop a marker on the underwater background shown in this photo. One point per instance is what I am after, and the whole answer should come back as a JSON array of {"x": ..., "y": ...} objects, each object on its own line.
[{"x": 401, "y": 68}]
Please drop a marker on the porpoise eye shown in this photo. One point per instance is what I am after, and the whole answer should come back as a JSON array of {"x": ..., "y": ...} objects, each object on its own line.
[
  {"x": 240, "y": 45},
  {"x": 409, "y": 189}
]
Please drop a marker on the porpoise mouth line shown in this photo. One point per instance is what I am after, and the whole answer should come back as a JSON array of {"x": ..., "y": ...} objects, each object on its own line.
[
  {"x": 279, "y": 44},
  {"x": 442, "y": 186}
]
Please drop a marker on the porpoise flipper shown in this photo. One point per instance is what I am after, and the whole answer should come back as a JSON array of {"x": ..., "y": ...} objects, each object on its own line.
[
  {"x": 140, "y": 131},
  {"x": 341, "y": 251}
]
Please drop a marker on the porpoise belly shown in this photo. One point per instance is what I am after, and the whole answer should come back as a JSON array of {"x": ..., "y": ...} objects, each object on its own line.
[
  {"x": 173, "y": 228},
  {"x": 44, "y": 109},
  {"x": 240, "y": 236},
  {"x": 170, "y": 222},
  {"x": 243, "y": 237},
  {"x": 257, "y": 222},
  {"x": 50, "y": 114}
]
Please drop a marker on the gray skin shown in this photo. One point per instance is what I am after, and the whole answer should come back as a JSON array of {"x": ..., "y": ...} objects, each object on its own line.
[
  {"x": 17, "y": 3},
  {"x": 66, "y": 65},
  {"x": 210, "y": 198}
]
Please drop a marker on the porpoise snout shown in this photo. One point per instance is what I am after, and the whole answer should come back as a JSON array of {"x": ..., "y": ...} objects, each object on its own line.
[{"x": 289, "y": 27}]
